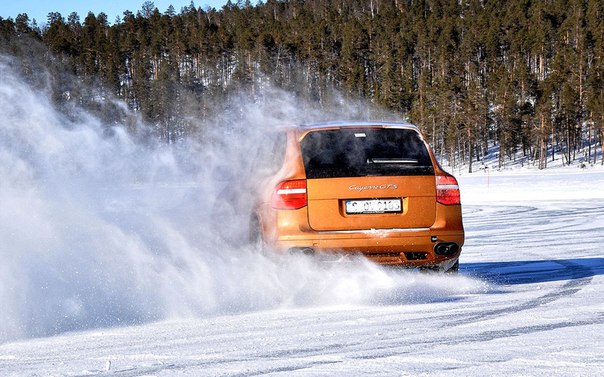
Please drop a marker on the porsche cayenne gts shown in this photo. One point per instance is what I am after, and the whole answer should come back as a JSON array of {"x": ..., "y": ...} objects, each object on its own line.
[{"x": 373, "y": 188}]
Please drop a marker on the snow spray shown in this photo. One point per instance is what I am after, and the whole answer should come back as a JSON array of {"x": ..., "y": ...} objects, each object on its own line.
[{"x": 98, "y": 229}]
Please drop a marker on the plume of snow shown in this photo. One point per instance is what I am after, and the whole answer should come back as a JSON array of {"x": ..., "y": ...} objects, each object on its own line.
[{"x": 98, "y": 229}]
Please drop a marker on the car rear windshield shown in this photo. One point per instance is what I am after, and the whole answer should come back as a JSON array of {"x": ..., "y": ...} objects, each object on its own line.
[{"x": 365, "y": 152}]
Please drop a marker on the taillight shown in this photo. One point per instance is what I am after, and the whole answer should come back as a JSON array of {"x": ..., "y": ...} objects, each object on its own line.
[
  {"x": 290, "y": 195},
  {"x": 447, "y": 190}
]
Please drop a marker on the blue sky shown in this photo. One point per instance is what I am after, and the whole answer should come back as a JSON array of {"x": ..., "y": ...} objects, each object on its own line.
[{"x": 39, "y": 9}]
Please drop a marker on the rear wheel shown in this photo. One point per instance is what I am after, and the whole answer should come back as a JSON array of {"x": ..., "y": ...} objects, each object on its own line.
[
  {"x": 454, "y": 269},
  {"x": 255, "y": 235}
]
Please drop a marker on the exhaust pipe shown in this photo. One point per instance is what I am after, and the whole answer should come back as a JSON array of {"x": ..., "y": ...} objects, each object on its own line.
[{"x": 446, "y": 249}]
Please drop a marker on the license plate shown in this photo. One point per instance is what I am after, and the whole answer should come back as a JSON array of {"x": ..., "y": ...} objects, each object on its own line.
[{"x": 373, "y": 206}]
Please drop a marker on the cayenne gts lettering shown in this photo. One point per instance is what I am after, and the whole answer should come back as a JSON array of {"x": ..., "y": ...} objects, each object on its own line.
[{"x": 387, "y": 186}]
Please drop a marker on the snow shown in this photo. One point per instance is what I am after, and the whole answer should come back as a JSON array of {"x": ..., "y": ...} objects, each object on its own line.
[
  {"x": 111, "y": 265},
  {"x": 527, "y": 302}
]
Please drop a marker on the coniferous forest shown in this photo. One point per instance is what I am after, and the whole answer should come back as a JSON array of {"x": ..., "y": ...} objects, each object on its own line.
[{"x": 522, "y": 76}]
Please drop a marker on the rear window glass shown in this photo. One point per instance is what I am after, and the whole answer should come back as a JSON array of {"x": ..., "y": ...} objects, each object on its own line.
[{"x": 365, "y": 152}]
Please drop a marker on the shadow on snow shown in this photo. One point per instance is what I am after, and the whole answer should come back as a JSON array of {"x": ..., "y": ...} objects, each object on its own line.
[{"x": 534, "y": 271}]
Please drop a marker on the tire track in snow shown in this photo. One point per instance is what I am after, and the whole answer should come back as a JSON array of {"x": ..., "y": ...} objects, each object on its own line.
[
  {"x": 513, "y": 228},
  {"x": 578, "y": 278}
]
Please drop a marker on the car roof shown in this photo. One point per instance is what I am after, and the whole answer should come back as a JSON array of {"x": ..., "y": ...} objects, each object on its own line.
[{"x": 356, "y": 124}]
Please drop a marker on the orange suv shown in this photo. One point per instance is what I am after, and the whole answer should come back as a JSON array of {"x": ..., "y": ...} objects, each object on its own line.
[{"x": 373, "y": 188}]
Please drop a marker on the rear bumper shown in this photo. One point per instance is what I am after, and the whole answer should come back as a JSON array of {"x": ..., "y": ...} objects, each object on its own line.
[
  {"x": 414, "y": 247},
  {"x": 409, "y": 247}
]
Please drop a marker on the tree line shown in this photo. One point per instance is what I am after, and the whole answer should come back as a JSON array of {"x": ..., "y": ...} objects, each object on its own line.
[{"x": 520, "y": 78}]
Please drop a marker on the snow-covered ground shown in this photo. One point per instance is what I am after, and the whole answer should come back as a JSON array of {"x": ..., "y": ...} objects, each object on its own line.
[
  {"x": 110, "y": 265},
  {"x": 528, "y": 301}
]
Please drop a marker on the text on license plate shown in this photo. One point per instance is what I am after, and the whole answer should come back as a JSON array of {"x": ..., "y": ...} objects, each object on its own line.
[{"x": 374, "y": 206}]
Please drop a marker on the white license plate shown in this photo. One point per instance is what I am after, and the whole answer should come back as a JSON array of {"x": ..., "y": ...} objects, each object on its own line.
[{"x": 374, "y": 206}]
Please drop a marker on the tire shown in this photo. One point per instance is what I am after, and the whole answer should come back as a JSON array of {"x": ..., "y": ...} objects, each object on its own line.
[
  {"x": 255, "y": 235},
  {"x": 453, "y": 270}
]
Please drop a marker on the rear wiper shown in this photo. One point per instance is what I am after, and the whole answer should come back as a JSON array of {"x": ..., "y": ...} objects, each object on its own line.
[{"x": 391, "y": 161}]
